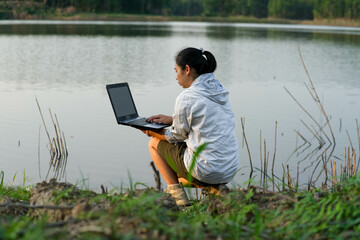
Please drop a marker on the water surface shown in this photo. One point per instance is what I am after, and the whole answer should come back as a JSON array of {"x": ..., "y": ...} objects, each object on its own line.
[{"x": 67, "y": 65}]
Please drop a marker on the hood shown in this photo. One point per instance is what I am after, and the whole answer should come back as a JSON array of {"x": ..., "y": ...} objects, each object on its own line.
[{"x": 209, "y": 87}]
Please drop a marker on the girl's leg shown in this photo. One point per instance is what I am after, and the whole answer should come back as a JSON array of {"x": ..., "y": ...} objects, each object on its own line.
[
  {"x": 166, "y": 172},
  {"x": 174, "y": 188}
]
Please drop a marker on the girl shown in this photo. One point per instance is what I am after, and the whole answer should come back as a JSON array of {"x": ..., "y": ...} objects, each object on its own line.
[{"x": 202, "y": 115}]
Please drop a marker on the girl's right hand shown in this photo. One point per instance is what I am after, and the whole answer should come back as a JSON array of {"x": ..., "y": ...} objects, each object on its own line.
[{"x": 162, "y": 119}]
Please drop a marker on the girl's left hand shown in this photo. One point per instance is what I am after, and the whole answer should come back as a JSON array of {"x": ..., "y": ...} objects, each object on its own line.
[
  {"x": 160, "y": 134},
  {"x": 147, "y": 132}
]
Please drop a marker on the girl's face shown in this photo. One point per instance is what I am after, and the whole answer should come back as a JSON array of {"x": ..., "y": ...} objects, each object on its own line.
[{"x": 184, "y": 76}]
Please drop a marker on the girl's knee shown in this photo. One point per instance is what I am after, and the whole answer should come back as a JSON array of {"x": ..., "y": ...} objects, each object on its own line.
[{"x": 153, "y": 143}]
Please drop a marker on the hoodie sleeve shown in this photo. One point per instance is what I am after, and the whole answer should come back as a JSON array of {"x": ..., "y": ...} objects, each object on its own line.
[{"x": 180, "y": 128}]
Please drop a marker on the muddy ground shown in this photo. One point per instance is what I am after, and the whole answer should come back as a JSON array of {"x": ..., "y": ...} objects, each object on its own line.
[{"x": 71, "y": 212}]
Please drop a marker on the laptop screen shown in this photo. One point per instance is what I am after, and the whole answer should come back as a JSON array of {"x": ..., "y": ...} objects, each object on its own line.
[{"x": 122, "y": 101}]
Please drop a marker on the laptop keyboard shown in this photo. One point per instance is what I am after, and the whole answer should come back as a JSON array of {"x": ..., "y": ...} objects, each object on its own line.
[{"x": 141, "y": 121}]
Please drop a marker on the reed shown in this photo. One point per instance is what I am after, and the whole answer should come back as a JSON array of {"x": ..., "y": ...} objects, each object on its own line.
[
  {"x": 264, "y": 161},
  {"x": 56, "y": 145},
  {"x": 247, "y": 147},
  {"x": 320, "y": 156},
  {"x": 273, "y": 162},
  {"x": 358, "y": 136},
  {"x": 156, "y": 176},
  {"x": 346, "y": 171},
  {"x": 39, "y": 152},
  {"x": 261, "y": 162},
  {"x": 324, "y": 185}
]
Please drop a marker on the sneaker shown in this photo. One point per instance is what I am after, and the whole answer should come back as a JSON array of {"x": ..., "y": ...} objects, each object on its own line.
[{"x": 178, "y": 193}]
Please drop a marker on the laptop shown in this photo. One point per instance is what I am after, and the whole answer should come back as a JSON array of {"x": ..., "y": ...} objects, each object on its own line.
[{"x": 125, "y": 110}]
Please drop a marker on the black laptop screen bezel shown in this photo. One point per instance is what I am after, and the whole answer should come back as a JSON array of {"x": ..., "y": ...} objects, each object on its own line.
[{"x": 131, "y": 116}]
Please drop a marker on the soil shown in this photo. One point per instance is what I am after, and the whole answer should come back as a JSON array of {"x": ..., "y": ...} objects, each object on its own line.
[{"x": 69, "y": 211}]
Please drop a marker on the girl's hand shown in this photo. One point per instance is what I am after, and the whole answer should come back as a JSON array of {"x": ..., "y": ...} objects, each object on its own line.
[
  {"x": 160, "y": 119},
  {"x": 147, "y": 132}
]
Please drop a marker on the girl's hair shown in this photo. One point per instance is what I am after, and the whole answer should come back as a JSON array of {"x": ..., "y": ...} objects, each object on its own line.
[{"x": 198, "y": 59}]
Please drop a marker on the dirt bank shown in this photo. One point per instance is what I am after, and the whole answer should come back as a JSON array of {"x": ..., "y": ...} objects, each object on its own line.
[{"x": 69, "y": 212}]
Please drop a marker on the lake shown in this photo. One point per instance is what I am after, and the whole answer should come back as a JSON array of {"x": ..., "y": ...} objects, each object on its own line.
[{"x": 66, "y": 65}]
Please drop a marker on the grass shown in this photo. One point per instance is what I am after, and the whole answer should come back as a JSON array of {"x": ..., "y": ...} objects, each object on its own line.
[
  {"x": 333, "y": 215},
  {"x": 21, "y": 193},
  {"x": 17, "y": 192},
  {"x": 252, "y": 214}
]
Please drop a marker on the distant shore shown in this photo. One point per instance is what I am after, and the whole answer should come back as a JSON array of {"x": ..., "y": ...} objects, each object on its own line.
[{"x": 231, "y": 19}]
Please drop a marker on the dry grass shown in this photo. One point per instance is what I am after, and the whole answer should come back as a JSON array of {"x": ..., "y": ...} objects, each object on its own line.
[{"x": 56, "y": 145}]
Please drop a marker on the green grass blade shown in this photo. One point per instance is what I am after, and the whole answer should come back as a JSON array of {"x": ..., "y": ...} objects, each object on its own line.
[
  {"x": 193, "y": 161},
  {"x": 2, "y": 174}
]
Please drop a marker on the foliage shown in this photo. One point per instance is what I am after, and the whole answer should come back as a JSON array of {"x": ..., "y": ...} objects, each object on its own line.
[
  {"x": 337, "y": 9},
  {"x": 352, "y": 9},
  {"x": 21, "y": 193},
  {"x": 329, "y": 8},
  {"x": 334, "y": 215},
  {"x": 237, "y": 215},
  {"x": 1, "y": 179},
  {"x": 295, "y": 9},
  {"x": 258, "y": 8},
  {"x": 299, "y": 9},
  {"x": 183, "y": 8},
  {"x": 193, "y": 161},
  {"x": 21, "y": 227}
]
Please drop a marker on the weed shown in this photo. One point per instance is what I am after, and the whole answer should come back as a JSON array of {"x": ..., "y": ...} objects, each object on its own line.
[
  {"x": 2, "y": 179},
  {"x": 238, "y": 215},
  {"x": 193, "y": 161},
  {"x": 25, "y": 179},
  {"x": 63, "y": 194},
  {"x": 17, "y": 193},
  {"x": 23, "y": 228}
]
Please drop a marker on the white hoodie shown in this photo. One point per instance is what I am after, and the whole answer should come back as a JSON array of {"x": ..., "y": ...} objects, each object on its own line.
[{"x": 203, "y": 114}]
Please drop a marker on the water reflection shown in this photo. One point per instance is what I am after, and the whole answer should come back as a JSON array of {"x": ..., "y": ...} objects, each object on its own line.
[
  {"x": 343, "y": 39},
  {"x": 232, "y": 32},
  {"x": 164, "y": 29},
  {"x": 85, "y": 30},
  {"x": 349, "y": 36}
]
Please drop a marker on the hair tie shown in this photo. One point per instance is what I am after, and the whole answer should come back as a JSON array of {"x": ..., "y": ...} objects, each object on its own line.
[{"x": 202, "y": 50}]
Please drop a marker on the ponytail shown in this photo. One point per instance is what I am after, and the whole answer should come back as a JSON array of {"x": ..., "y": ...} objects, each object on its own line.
[
  {"x": 198, "y": 59},
  {"x": 210, "y": 62}
]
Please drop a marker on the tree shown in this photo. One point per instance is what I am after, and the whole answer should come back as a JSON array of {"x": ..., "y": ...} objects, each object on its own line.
[
  {"x": 243, "y": 7},
  {"x": 213, "y": 7},
  {"x": 289, "y": 9},
  {"x": 352, "y": 9},
  {"x": 296, "y": 9},
  {"x": 258, "y": 8},
  {"x": 329, "y": 8}
]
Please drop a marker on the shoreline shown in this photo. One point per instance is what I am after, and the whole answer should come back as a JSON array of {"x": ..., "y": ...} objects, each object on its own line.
[
  {"x": 59, "y": 210},
  {"x": 158, "y": 18}
]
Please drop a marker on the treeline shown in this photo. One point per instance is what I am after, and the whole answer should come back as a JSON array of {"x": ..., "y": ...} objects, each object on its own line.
[{"x": 289, "y": 9}]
